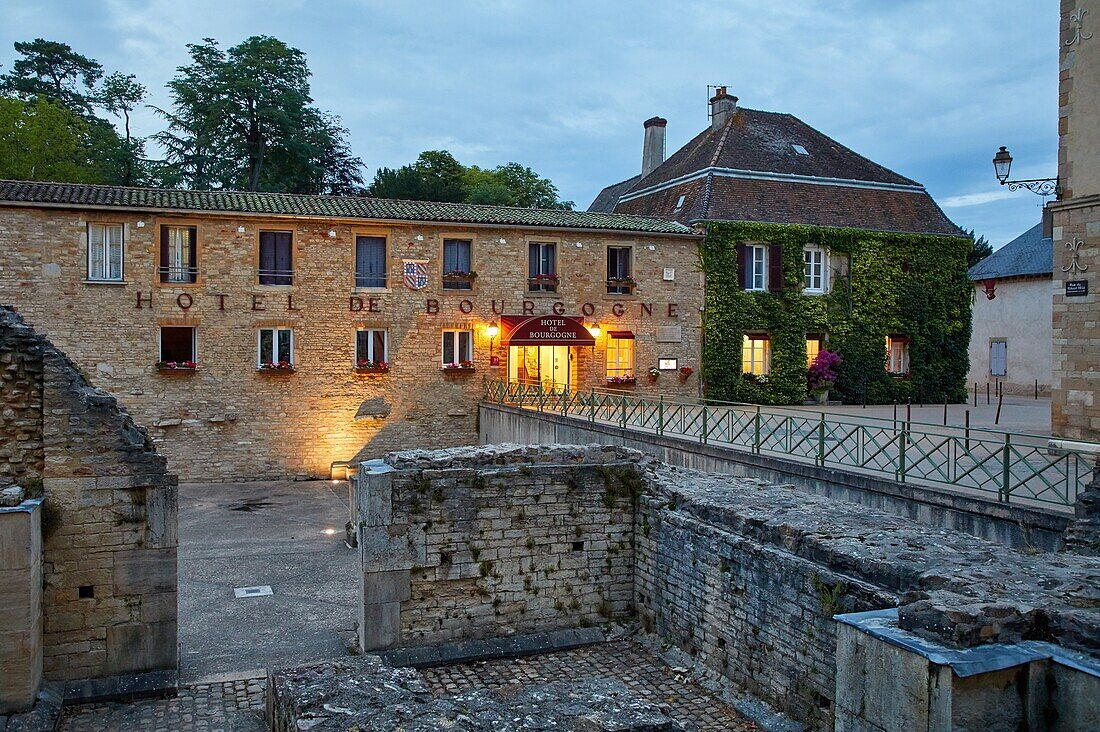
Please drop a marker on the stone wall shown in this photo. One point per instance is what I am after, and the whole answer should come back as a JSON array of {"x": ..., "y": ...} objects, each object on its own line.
[
  {"x": 20, "y": 601},
  {"x": 108, "y": 518},
  {"x": 226, "y": 420},
  {"x": 495, "y": 541},
  {"x": 1020, "y": 316},
  {"x": 747, "y": 576}
]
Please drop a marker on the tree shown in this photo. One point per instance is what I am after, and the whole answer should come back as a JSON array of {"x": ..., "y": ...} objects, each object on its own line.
[
  {"x": 243, "y": 118},
  {"x": 42, "y": 140},
  {"x": 437, "y": 176},
  {"x": 979, "y": 251},
  {"x": 120, "y": 94},
  {"x": 55, "y": 71}
]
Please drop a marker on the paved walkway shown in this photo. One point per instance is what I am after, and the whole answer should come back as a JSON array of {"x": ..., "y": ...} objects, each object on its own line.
[
  {"x": 226, "y": 706},
  {"x": 646, "y": 675},
  {"x": 269, "y": 533}
]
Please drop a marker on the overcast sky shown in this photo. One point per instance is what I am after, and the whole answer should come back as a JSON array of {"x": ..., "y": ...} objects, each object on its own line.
[{"x": 928, "y": 88}]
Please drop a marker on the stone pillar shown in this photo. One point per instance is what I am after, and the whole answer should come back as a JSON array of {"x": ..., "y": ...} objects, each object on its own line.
[
  {"x": 386, "y": 558},
  {"x": 20, "y": 603}
]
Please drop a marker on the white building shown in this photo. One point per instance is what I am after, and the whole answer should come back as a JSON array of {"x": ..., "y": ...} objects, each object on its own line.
[{"x": 1011, "y": 340}]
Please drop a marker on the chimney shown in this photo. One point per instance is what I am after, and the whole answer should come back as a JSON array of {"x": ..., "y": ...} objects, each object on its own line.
[
  {"x": 722, "y": 107},
  {"x": 653, "y": 147}
]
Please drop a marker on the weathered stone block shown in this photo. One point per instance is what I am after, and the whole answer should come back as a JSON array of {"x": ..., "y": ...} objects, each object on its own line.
[
  {"x": 144, "y": 571},
  {"x": 379, "y": 626},
  {"x": 385, "y": 587},
  {"x": 135, "y": 647}
]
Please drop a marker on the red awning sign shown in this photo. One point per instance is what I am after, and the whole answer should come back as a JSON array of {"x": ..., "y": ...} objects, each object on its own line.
[{"x": 544, "y": 330}]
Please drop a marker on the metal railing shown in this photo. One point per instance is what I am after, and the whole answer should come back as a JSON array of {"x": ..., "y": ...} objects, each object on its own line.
[{"x": 1013, "y": 466}]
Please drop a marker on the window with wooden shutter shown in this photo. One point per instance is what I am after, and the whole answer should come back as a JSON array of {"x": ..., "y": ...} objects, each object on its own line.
[
  {"x": 276, "y": 258},
  {"x": 775, "y": 268},
  {"x": 998, "y": 358},
  {"x": 743, "y": 266},
  {"x": 755, "y": 268},
  {"x": 458, "y": 264}
]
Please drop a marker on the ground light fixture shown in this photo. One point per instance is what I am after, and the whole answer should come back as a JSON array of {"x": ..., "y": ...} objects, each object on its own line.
[{"x": 1002, "y": 165}]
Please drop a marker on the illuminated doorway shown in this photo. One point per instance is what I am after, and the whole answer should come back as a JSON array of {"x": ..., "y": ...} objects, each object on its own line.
[{"x": 547, "y": 366}]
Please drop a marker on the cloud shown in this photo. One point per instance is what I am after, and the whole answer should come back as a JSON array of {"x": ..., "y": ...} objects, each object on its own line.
[{"x": 977, "y": 199}]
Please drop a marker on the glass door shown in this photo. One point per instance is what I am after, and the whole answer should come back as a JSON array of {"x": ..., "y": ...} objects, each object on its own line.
[{"x": 545, "y": 366}]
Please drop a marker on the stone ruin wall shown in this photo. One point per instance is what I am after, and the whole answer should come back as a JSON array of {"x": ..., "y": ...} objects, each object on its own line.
[
  {"x": 744, "y": 575},
  {"x": 481, "y": 543},
  {"x": 108, "y": 518}
]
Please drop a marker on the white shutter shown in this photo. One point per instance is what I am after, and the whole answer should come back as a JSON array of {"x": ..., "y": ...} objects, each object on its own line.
[{"x": 998, "y": 358}]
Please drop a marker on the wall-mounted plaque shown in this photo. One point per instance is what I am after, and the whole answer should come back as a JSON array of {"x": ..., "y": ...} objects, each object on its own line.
[
  {"x": 669, "y": 334},
  {"x": 1077, "y": 288},
  {"x": 666, "y": 364},
  {"x": 670, "y": 274}
]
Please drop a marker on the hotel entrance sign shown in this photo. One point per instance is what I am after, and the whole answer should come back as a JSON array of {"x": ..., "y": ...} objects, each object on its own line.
[{"x": 545, "y": 330}]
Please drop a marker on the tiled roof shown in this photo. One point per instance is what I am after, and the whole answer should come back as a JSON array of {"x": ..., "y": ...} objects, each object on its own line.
[
  {"x": 280, "y": 204},
  {"x": 1029, "y": 255},
  {"x": 608, "y": 197},
  {"x": 750, "y": 170},
  {"x": 764, "y": 141}
]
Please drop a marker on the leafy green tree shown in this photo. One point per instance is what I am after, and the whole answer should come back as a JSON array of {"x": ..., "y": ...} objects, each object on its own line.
[
  {"x": 979, "y": 251},
  {"x": 512, "y": 185},
  {"x": 53, "y": 70},
  {"x": 43, "y": 140},
  {"x": 437, "y": 176},
  {"x": 120, "y": 94},
  {"x": 243, "y": 118}
]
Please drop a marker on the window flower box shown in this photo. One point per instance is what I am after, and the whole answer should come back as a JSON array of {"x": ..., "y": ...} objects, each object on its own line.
[
  {"x": 181, "y": 367},
  {"x": 366, "y": 366},
  {"x": 461, "y": 367},
  {"x": 621, "y": 381},
  {"x": 277, "y": 367},
  {"x": 459, "y": 276},
  {"x": 621, "y": 285},
  {"x": 543, "y": 282}
]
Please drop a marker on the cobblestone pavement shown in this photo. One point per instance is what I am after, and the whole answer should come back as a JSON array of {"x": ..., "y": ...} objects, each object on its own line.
[
  {"x": 227, "y": 706},
  {"x": 697, "y": 709}
]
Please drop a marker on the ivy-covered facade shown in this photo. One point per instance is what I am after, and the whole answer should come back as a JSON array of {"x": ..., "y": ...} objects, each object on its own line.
[{"x": 910, "y": 289}]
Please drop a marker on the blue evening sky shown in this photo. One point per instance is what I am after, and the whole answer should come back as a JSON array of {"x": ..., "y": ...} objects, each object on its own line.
[{"x": 928, "y": 88}]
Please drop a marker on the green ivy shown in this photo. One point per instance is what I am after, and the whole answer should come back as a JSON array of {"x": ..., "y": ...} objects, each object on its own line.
[{"x": 911, "y": 284}]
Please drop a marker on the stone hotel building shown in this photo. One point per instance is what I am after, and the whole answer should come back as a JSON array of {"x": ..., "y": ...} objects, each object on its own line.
[{"x": 266, "y": 335}]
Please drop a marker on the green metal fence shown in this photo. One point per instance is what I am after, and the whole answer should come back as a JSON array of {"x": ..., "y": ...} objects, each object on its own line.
[{"x": 1012, "y": 466}]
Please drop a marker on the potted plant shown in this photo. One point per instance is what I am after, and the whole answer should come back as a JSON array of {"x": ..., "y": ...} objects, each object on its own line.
[
  {"x": 458, "y": 366},
  {"x": 821, "y": 375},
  {"x": 685, "y": 372},
  {"x": 623, "y": 285},
  {"x": 458, "y": 275},
  {"x": 654, "y": 373},
  {"x": 276, "y": 367},
  {"x": 367, "y": 366},
  {"x": 178, "y": 366},
  {"x": 544, "y": 281},
  {"x": 621, "y": 380}
]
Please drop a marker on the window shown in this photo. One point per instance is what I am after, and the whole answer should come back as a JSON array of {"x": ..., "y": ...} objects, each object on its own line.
[
  {"x": 680, "y": 202},
  {"x": 105, "y": 252},
  {"x": 276, "y": 258},
  {"x": 371, "y": 348},
  {"x": 458, "y": 348},
  {"x": 178, "y": 254},
  {"x": 814, "y": 273},
  {"x": 620, "y": 356},
  {"x": 177, "y": 345},
  {"x": 276, "y": 348},
  {"x": 998, "y": 358},
  {"x": 619, "y": 278},
  {"x": 370, "y": 261},
  {"x": 813, "y": 347},
  {"x": 756, "y": 354},
  {"x": 897, "y": 355},
  {"x": 542, "y": 271},
  {"x": 457, "y": 264},
  {"x": 799, "y": 149},
  {"x": 758, "y": 268}
]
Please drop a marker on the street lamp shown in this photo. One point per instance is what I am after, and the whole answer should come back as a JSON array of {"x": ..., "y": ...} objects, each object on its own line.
[{"x": 1002, "y": 165}]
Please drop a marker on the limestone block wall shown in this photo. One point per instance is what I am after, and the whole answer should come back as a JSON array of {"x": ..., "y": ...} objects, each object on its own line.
[
  {"x": 747, "y": 576},
  {"x": 495, "y": 541},
  {"x": 108, "y": 521},
  {"x": 20, "y": 605}
]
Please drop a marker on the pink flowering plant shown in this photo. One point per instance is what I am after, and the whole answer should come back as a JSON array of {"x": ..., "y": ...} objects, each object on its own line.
[
  {"x": 366, "y": 364},
  {"x": 459, "y": 366},
  {"x": 621, "y": 380},
  {"x": 177, "y": 365},
  {"x": 276, "y": 366},
  {"x": 821, "y": 375}
]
